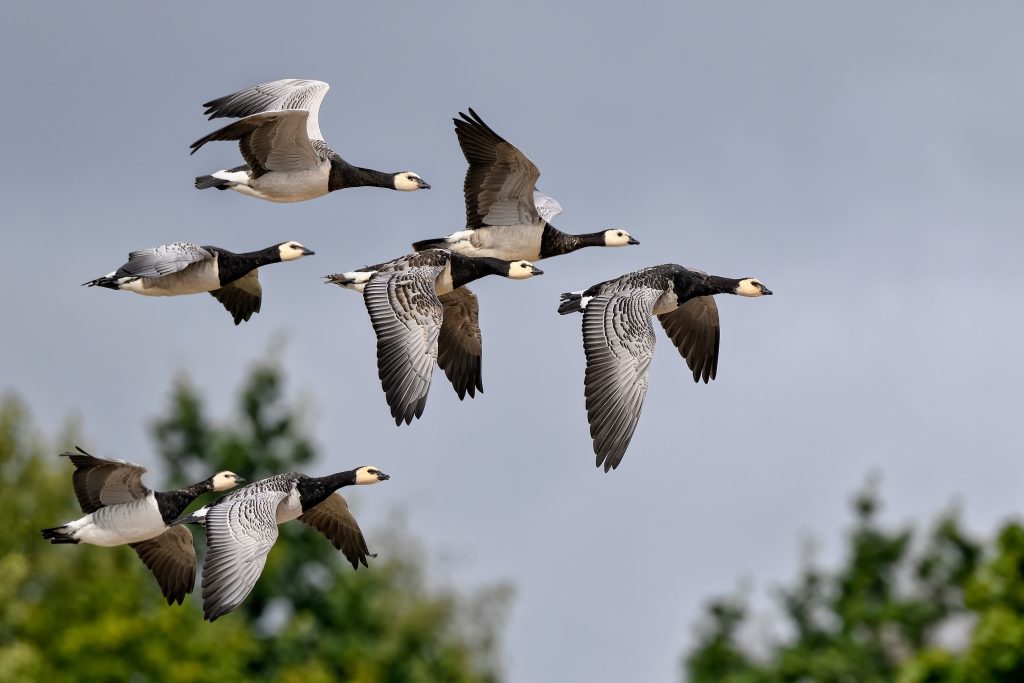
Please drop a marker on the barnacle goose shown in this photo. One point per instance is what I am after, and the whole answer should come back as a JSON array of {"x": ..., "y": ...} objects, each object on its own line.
[
  {"x": 120, "y": 510},
  {"x": 186, "y": 268},
  {"x": 286, "y": 158},
  {"x": 618, "y": 340},
  {"x": 241, "y": 528},
  {"x": 422, "y": 312},
  {"x": 506, "y": 217}
]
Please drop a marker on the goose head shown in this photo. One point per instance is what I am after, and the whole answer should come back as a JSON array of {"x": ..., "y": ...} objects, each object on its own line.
[
  {"x": 289, "y": 251},
  {"x": 369, "y": 474},
  {"x": 407, "y": 181},
  {"x": 223, "y": 481},
  {"x": 521, "y": 270},
  {"x": 750, "y": 286},
  {"x": 615, "y": 237}
]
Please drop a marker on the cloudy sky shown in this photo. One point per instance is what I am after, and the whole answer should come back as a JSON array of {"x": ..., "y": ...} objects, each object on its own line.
[{"x": 863, "y": 161}]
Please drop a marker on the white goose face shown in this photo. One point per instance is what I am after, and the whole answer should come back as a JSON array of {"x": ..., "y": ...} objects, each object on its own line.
[
  {"x": 369, "y": 474},
  {"x": 407, "y": 181},
  {"x": 520, "y": 270},
  {"x": 752, "y": 287},
  {"x": 293, "y": 250},
  {"x": 223, "y": 481},
  {"x": 614, "y": 237}
]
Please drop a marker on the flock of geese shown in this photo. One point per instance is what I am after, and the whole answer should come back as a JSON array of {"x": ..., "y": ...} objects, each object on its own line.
[{"x": 422, "y": 313}]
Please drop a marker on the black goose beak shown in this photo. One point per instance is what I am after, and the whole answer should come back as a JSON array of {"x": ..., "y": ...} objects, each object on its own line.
[
  {"x": 383, "y": 477},
  {"x": 633, "y": 240},
  {"x": 765, "y": 291},
  {"x": 422, "y": 184},
  {"x": 239, "y": 480},
  {"x": 536, "y": 271},
  {"x": 307, "y": 252}
]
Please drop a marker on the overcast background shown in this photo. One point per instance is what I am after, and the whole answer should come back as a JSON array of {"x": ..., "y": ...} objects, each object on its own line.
[{"x": 864, "y": 161}]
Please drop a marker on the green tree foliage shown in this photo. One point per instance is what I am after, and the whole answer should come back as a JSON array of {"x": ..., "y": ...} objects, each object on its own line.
[
  {"x": 82, "y": 613},
  {"x": 938, "y": 610}
]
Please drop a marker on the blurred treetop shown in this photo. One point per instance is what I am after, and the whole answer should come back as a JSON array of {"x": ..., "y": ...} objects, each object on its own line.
[
  {"x": 84, "y": 613},
  {"x": 939, "y": 610}
]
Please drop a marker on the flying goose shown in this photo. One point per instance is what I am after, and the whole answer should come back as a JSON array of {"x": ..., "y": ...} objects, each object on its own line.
[
  {"x": 506, "y": 217},
  {"x": 422, "y": 312},
  {"x": 185, "y": 268},
  {"x": 120, "y": 510},
  {"x": 618, "y": 340},
  {"x": 241, "y": 528},
  {"x": 286, "y": 158}
]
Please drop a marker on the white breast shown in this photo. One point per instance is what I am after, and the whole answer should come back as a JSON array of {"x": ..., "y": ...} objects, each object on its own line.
[
  {"x": 667, "y": 302},
  {"x": 289, "y": 508},
  {"x": 443, "y": 281}
]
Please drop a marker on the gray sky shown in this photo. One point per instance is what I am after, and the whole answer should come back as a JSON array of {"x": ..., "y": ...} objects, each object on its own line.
[{"x": 863, "y": 161}]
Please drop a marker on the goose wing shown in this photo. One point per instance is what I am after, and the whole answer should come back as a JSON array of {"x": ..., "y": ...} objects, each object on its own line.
[
  {"x": 163, "y": 260},
  {"x": 547, "y": 207},
  {"x": 270, "y": 141},
  {"x": 172, "y": 559},
  {"x": 459, "y": 344},
  {"x": 618, "y": 339},
  {"x": 333, "y": 519},
  {"x": 500, "y": 182},
  {"x": 287, "y": 93},
  {"x": 693, "y": 328},
  {"x": 406, "y": 316},
  {"x": 242, "y": 297},
  {"x": 240, "y": 531},
  {"x": 105, "y": 481}
]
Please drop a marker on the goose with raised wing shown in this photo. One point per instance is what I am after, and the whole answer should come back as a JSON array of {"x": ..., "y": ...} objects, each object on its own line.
[
  {"x": 286, "y": 158},
  {"x": 506, "y": 217},
  {"x": 186, "y": 268},
  {"x": 241, "y": 528},
  {"x": 618, "y": 340},
  {"x": 423, "y": 313},
  {"x": 120, "y": 510}
]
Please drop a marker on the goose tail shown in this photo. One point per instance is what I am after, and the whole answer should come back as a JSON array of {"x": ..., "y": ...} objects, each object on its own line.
[
  {"x": 58, "y": 534},
  {"x": 572, "y": 302},
  {"x": 196, "y": 517},
  {"x": 356, "y": 279},
  {"x": 108, "y": 281},
  {"x": 205, "y": 182},
  {"x": 436, "y": 243}
]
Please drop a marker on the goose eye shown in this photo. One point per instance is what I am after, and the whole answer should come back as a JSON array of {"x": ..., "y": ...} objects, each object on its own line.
[
  {"x": 522, "y": 265},
  {"x": 618, "y": 234}
]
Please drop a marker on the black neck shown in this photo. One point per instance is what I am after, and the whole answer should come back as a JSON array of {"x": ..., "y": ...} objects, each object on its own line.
[
  {"x": 314, "y": 490},
  {"x": 554, "y": 242},
  {"x": 172, "y": 503},
  {"x": 465, "y": 269},
  {"x": 344, "y": 174},
  {"x": 233, "y": 266},
  {"x": 721, "y": 285}
]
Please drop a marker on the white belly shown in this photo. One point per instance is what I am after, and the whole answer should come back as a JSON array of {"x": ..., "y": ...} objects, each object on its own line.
[
  {"x": 508, "y": 242},
  {"x": 119, "y": 524},
  {"x": 289, "y": 186},
  {"x": 196, "y": 278}
]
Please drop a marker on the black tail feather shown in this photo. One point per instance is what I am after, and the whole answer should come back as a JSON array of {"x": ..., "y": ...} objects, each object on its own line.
[
  {"x": 205, "y": 182},
  {"x": 570, "y": 303},
  {"x": 58, "y": 535},
  {"x": 105, "y": 281},
  {"x": 436, "y": 243}
]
